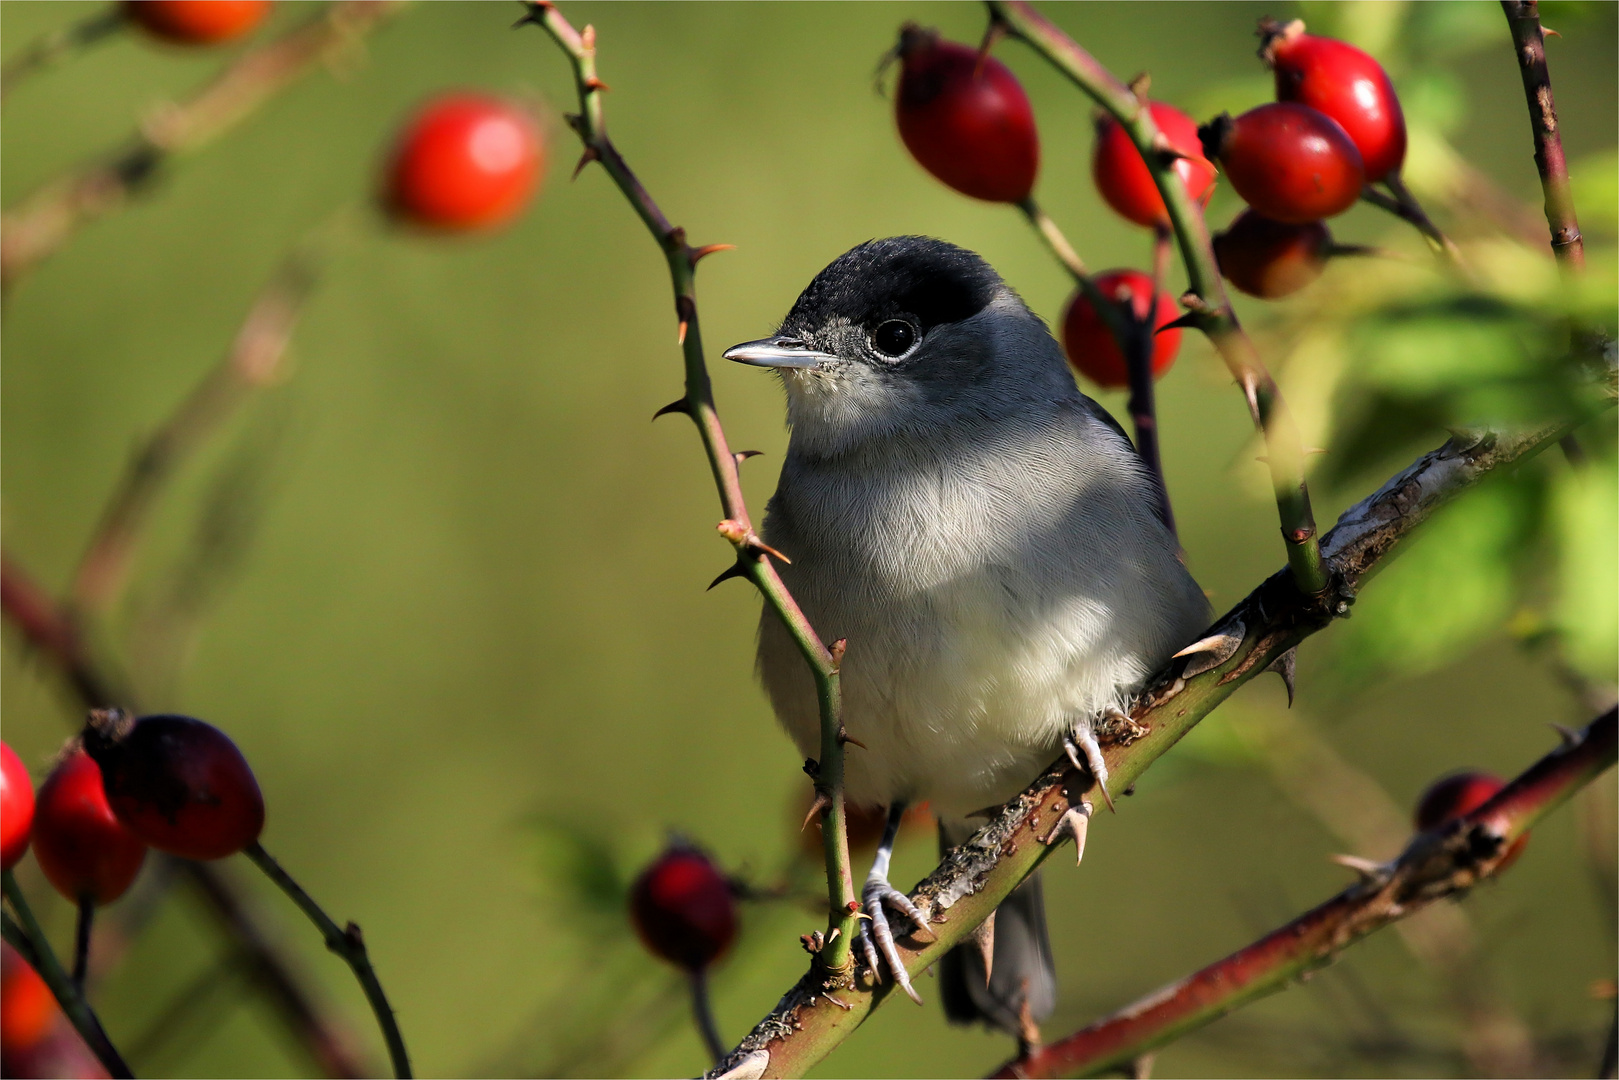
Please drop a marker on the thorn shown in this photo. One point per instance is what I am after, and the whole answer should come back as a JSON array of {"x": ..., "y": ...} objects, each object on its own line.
[
  {"x": 1368, "y": 869},
  {"x": 1141, "y": 86},
  {"x": 695, "y": 255},
  {"x": 1185, "y": 322},
  {"x": 983, "y": 937},
  {"x": 590, "y": 154},
  {"x": 1075, "y": 822},
  {"x": 1219, "y": 648},
  {"x": 534, "y": 14},
  {"x": 1570, "y": 737},
  {"x": 743, "y": 455},
  {"x": 736, "y": 569},
  {"x": 679, "y": 405},
  {"x": 1547, "y": 31},
  {"x": 845, "y": 737},
  {"x": 594, "y": 83},
  {"x": 1162, "y": 147},
  {"x": 822, "y": 801},
  {"x": 587, "y": 37},
  {"x": 680, "y": 334},
  {"x": 1285, "y": 666}
]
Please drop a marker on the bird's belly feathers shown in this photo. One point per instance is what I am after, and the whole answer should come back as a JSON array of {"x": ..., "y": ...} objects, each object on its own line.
[{"x": 981, "y": 624}]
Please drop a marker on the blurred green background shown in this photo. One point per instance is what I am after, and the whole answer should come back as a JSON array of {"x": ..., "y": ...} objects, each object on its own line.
[{"x": 456, "y": 617}]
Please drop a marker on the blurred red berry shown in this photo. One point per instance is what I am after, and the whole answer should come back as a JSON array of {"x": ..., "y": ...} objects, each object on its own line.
[
  {"x": 197, "y": 22},
  {"x": 27, "y": 1008},
  {"x": 1122, "y": 177},
  {"x": 1289, "y": 162},
  {"x": 1343, "y": 82},
  {"x": 179, "y": 784},
  {"x": 965, "y": 118},
  {"x": 464, "y": 161},
  {"x": 684, "y": 909},
  {"x": 78, "y": 842},
  {"x": 1461, "y": 793},
  {"x": 1090, "y": 345},
  {"x": 1270, "y": 259},
  {"x": 16, "y": 807}
]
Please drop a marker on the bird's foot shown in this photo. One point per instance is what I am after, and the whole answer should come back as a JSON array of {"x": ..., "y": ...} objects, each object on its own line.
[
  {"x": 1084, "y": 741},
  {"x": 877, "y": 936}
]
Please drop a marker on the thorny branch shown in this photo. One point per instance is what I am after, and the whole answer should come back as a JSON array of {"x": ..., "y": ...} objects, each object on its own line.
[
  {"x": 1258, "y": 635},
  {"x": 834, "y": 960},
  {"x": 1529, "y": 42},
  {"x": 1209, "y": 308},
  {"x": 47, "y": 218},
  {"x": 1449, "y": 860},
  {"x": 46, "y": 627}
]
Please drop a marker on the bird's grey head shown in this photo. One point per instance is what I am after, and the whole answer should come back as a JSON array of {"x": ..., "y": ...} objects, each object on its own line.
[{"x": 906, "y": 335}]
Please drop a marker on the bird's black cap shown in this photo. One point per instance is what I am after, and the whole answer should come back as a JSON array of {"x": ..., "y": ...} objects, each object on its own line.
[{"x": 934, "y": 281}]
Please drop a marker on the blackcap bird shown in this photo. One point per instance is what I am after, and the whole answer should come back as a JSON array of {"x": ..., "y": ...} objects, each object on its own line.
[{"x": 986, "y": 539}]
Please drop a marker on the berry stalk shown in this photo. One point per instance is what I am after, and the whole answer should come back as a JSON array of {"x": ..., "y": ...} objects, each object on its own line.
[
  {"x": 1138, "y": 355},
  {"x": 1529, "y": 41},
  {"x": 346, "y": 942},
  {"x": 30, "y": 940},
  {"x": 1209, "y": 307},
  {"x": 752, "y": 558}
]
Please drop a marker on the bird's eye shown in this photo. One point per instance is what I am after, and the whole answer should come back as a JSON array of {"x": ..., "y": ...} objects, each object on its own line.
[{"x": 894, "y": 337}]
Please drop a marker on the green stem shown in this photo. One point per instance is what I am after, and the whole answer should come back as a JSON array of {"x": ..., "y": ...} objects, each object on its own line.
[
  {"x": 1529, "y": 41},
  {"x": 30, "y": 940},
  {"x": 753, "y": 562},
  {"x": 1211, "y": 310},
  {"x": 346, "y": 942}
]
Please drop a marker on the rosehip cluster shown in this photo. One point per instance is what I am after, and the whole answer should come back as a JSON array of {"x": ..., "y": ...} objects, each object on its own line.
[
  {"x": 684, "y": 909},
  {"x": 1335, "y": 127}
]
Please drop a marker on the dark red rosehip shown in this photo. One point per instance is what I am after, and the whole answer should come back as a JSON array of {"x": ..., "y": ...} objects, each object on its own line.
[
  {"x": 684, "y": 909},
  {"x": 1289, "y": 162},
  {"x": 1343, "y": 82},
  {"x": 464, "y": 161},
  {"x": 1270, "y": 259},
  {"x": 965, "y": 118},
  {"x": 1122, "y": 177},
  {"x": 16, "y": 807},
  {"x": 179, "y": 784},
  {"x": 1090, "y": 345},
  {"x": 1458, "y": 794},
  {"x": 80, "y": 844},
  {"x": 197, "y": 22}
]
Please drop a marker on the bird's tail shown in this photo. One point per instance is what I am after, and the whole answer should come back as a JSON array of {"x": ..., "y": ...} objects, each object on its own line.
[{"x": 1022, "y": 986}]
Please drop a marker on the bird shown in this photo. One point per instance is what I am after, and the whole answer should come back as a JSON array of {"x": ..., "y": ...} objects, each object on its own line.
[{"x": 988, "y": 542}]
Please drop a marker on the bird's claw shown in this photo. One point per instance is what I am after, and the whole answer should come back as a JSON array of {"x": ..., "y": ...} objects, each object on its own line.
[
  {"x": 878, "y": 937},
  {"x": 1084, "y": 740}
]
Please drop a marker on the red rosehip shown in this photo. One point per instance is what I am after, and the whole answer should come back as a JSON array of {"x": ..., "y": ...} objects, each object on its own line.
[
  {"x": 16, "y": 807},
  {"x": 683, "y": 908},
  {"x": 1090, "y": 345},
  {"x": 1461, "y": 793},
  {"x": 1344, "y": 82},
  {"x": 28, "y": 1009},
  {"x": 80, "y": 844},
  {"x": 179, "y": 784},
  {"x": 464, "y": 161},
  {"x": 197, "y": 22},
  {"x": 1270, "y": 259},
  {"x": 965, "y": 118},
  {"x": 1289, "y": 162},
  {"x": 1122, "y": 177}
]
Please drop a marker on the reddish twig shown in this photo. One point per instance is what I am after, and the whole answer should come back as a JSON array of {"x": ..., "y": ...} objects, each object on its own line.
[
  {"x": 50, "y": 216},
  {"x": 1449, "y": 860},
  {"x": 752, "y": 556},
  {"x": 1138, "y": 356},
  {"x": 1529, "y": 42}
]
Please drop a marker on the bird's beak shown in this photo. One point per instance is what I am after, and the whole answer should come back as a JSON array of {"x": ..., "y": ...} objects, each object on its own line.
[{"x": 777, "y": 352}]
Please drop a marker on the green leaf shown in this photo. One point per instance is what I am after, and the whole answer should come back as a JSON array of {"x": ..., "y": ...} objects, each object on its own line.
[
  {"x": 1454, "y": 585},
  {"x": 1585, "y": 522}
]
